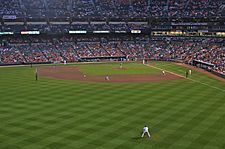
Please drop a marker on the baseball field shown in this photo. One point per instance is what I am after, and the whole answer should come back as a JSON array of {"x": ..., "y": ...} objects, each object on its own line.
[{"x": 75, "y": 106}]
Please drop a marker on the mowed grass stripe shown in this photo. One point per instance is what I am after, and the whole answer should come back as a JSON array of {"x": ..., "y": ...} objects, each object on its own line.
[
  {"x": 55, "y": 113},
  {"x": 158, "y": 117},
  {"x": 114, "y": 68},
  {"x": 210, "y": 129},
  {"x": 194, "y": 122},
  {"x": 132, "y": 125},
  {"x": 195, "y": 75}
]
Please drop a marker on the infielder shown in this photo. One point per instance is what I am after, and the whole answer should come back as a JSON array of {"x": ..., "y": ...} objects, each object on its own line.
[{"x": 145, "y": 130}]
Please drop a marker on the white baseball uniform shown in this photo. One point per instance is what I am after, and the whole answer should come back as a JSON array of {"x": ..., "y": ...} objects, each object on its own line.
[
  {"x": 190, "y": 71},
  {"x": 145, "y": 130}
]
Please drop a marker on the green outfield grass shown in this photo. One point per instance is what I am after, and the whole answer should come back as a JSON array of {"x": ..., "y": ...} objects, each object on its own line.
[{"x": 64, "y": 114}]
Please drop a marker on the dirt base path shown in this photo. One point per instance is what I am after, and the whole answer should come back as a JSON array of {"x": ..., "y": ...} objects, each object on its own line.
[
  {"x": 73, "y": 73},
  {"x": 201, "y": 70}
]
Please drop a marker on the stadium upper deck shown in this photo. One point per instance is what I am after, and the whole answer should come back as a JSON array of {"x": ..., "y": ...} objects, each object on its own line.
[
  {"x": 179, "y": 19},
  {"x": 113, "y": 8}
]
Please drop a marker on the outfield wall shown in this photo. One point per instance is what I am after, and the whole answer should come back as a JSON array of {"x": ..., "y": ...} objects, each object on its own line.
[{"x": 25, "y": 63}]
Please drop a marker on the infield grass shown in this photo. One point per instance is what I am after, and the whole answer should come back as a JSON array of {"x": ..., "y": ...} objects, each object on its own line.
[
  {"x": 64, "y": 114},
  {"x": 114, "y": 68}
]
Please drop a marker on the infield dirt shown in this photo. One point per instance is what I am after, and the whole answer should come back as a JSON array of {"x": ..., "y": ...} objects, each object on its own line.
[{"x": 74, "y": 73}]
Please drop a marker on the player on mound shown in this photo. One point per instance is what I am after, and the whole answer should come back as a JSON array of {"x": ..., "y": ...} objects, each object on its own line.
[
  {"x": 107, "y": 78},
  {"x": 145, "y": 130}
]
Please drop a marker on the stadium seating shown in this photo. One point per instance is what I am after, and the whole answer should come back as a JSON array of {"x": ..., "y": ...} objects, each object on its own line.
[
  {"x": 47, "y": 49},
  {"x": 32, "y": 49},
  {"x": 116, "y": 8}
]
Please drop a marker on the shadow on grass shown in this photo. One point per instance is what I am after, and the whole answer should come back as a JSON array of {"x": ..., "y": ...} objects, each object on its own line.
[
  {"x": 140, "y": 138},
  {"x": 136, "y": 138}
]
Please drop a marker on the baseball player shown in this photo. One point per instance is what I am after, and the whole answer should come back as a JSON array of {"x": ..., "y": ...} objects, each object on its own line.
[
  {"x": 145, "y": 130},
  {"x": 190, "y": 72},
  {"x": 36, "y": 74},
  {"x": 107, "y": 78},
  {"x": 121, "y": 65},
  {"x": 186, "y": 74}
]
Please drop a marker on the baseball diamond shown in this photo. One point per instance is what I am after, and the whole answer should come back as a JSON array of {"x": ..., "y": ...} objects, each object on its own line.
[
  {"x": 112, "y": 74},
  {"x": 64, "y": 112}
]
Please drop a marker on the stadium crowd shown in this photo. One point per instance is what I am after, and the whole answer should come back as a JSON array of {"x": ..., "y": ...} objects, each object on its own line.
[
  {"x": 52, "y": 28},
  {"x": 113, "y": 8},
  {"x": 46, "y": 49}
]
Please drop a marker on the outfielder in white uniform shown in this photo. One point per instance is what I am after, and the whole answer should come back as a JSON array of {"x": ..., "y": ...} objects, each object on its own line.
[{"x": 145, "y": 130}]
